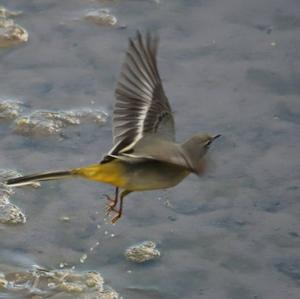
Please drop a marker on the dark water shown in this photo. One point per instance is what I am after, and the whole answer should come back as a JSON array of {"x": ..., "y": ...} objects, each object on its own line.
[{"x": 229, "y": 67}]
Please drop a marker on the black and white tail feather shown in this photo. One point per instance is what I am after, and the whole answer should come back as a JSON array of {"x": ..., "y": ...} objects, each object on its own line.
[{"x": 33, "y": 178}]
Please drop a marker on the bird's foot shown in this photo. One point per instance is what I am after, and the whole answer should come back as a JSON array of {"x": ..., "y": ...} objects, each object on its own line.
[
  {"x": 111, "y": 206},
  {"x": 116, "y": 218},
  {"x": 108, "y": 198}
]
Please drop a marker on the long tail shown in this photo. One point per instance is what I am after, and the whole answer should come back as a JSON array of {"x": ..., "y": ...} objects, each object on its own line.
[{"x": 43, "y": 176}]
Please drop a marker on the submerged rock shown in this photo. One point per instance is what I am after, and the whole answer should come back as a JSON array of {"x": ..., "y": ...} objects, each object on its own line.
[
  {"x": 5, "y": 13},
  {"x": 41, "y": 283},
  {"x": 9, "y": 110},
  {"x": 46, "y": 122},
  {"x": 52, "y": 122},
  {"x": 101, "y": 17},
  {"x": 9, "y": 213},
  {"x": 88, "y": 115},
  {"x": 142, "y": 252},
  {"x": 3, "y": 281},
  {"x": 6, "y": 191},
  {"x": 39, "y": 123},
  {"x": 11, "y": 34},
  {"x": 4, "y": 194}
]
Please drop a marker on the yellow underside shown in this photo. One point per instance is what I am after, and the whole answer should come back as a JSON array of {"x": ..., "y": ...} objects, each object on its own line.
[
  {"x": 110, "y": 173},
  {"x": 148, "y": 175}
]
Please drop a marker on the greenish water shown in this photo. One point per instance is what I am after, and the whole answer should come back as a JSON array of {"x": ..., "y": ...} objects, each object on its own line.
[{"x": 231, "y": 68}]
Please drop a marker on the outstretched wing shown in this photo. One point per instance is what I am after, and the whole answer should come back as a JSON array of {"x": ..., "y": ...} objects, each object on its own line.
[
  {"x": 151, "y": 147},
  {"x": 141, "y": 105}
]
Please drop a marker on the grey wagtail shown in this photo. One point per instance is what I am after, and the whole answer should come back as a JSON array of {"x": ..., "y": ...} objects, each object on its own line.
[{"x": 144, "y": 155}]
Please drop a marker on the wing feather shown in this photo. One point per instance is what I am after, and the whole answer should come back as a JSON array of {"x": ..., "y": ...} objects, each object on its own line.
[{"x": 141, "y": 105}]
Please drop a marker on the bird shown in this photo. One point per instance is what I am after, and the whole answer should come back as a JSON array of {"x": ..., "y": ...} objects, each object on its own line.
[{"x": 145, "y": 155}]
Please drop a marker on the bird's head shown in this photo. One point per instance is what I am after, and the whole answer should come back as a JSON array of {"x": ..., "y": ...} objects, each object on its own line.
[
  {"x": 196, "y": 147},
  {"x": 200, "y": 141},
  {"x": 204, "y": 140}
]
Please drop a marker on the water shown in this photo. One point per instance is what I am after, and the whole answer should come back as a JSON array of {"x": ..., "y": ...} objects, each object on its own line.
[{"x": 230, "y": 68}]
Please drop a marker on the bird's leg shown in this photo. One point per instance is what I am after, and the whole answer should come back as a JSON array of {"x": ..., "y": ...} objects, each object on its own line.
[
  {"x": 120, "y": 211},
  {"x": 110, "y": 207}
]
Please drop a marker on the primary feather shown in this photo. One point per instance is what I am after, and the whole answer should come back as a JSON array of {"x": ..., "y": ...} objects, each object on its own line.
[{"x": 141, "y": 105}]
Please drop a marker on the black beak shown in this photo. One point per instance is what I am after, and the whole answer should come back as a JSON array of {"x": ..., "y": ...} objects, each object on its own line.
[
  {"x": 212, "y": 139},
  {"x": 217, "y": 136}
]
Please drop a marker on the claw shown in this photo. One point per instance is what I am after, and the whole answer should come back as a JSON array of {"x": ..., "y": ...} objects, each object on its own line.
[
  {"x": 113, "y": 202},
  {"x": 110, "y": 207},
  {"x": 116, "y": 218}
]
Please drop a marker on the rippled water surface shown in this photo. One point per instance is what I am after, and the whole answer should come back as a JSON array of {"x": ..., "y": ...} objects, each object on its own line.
[{"x": 229, "y": 67}]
